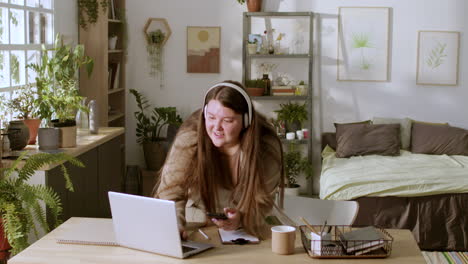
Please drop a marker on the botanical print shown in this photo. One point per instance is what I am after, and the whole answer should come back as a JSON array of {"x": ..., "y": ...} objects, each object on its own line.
[
  {"x": 203, "y": 49},
  {"x": 363, "y": 43},
  {"x": 437, "y": 58}
]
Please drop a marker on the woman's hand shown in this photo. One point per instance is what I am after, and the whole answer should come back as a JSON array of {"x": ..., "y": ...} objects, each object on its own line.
[
  {"x": 183, "y": 234},
  {"x": 232, "y": 223}
]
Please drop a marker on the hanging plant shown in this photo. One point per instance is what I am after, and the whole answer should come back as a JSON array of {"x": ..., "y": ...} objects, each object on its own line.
[
  {"x": 89, "y": 11},
  {"x": 155, "y": 49}
]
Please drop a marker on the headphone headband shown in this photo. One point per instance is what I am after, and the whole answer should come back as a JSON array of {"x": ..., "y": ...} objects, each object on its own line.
[{"x": 248, "y": 119}]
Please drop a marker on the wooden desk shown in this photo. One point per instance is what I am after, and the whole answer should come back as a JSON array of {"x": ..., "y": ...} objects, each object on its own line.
[{"x": 47, "y": 250}]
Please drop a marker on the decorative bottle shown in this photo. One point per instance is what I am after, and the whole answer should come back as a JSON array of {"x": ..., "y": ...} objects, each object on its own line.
[
  {"x": 267, "y": 82},
  {"x": 93, "y": 117},
  {"x": 82, "y": 119}
]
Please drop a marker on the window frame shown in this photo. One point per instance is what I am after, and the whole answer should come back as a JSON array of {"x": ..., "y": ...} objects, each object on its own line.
[{"x": 24, "y": 47}]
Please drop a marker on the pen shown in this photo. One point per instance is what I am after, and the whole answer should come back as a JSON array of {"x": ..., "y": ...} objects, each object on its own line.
[{"x": 203, "y": 233}]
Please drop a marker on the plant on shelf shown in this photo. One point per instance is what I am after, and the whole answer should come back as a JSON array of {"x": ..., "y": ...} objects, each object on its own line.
[
  {"x": 89, "y": 11},
  {"x": 252, "y": 46},
  {"x": 155, "y": 49},
  {"x": 293, "y": 115},
  {"x": 22, "y": 102},
  {"x": 295, "y": 164},
  {"x": 57, "y": 79},
  {"x": 255, "y": 87},
  {"x": 149, "y": 126},
  {"x": 21, "y": 203}
]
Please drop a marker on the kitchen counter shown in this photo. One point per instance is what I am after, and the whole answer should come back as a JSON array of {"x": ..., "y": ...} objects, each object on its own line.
[{"x": 84, "y": 142}]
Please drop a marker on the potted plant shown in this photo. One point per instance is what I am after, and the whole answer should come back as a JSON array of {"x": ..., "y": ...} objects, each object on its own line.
[
  {"x": 252, "y": 5},
  {"x": 155, "y": 40},
  {"x": 295, "y": 164},
  {"x": 20, "y": 201},
  {"x": 293, "y": 115},
  {"x": 255, "y": 87},
  {"x": 301, "y": 88},
  {"x": 57, "y": 94},
  {"x": 22, "y": 103},
  {"x": 148, "y": 130},
  {"x": 252, "y": 46}
]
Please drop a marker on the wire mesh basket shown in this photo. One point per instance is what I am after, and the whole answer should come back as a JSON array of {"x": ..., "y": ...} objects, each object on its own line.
[{"x": 329, "y": 245}]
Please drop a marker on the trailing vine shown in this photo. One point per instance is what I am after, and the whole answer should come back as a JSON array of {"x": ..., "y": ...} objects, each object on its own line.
[{"x": 89, "y": 11}]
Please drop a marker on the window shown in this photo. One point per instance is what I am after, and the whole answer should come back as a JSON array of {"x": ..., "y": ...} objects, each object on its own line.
[{"x": 24, "y": 26}]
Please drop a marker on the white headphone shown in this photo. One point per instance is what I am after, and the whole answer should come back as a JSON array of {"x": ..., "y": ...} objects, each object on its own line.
[{"x": 247, "y": 116}]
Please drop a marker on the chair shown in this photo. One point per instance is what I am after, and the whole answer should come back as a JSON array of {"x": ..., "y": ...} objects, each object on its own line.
[{"x": 317, "y": 211}]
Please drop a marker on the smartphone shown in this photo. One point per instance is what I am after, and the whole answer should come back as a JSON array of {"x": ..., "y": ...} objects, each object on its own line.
[{"x": 220, "y": 216}]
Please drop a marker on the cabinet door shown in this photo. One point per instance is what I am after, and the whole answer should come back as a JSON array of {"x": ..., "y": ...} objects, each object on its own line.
[
  {"x": 81, "y": 202},
  {"x": 110, "y": 169}
]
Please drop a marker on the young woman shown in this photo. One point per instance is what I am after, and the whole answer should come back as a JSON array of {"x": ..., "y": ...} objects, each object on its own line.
[{"x": 225, "y": 158}]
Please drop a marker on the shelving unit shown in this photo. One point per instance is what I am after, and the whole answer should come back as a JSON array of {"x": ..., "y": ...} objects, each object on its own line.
[
  {"x": 281, "y": 58},
  {"x": 107, "y": 83}
]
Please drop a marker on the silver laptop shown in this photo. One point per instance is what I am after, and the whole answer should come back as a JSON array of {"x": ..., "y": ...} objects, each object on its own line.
[{"x": 150, "y": 224}]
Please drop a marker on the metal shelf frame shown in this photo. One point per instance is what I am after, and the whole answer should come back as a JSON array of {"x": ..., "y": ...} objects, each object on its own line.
[{"x": 246, "y": 64}]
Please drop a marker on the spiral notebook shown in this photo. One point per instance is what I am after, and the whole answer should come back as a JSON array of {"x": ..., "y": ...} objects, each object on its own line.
[{"x": 97, "y": 231}]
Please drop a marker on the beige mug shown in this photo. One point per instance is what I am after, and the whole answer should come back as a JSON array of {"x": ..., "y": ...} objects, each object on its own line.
[{"x": 283, "y": 239}]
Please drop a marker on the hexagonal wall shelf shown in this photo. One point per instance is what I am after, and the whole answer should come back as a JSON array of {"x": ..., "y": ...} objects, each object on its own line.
[{"x": 154, "y": 24}]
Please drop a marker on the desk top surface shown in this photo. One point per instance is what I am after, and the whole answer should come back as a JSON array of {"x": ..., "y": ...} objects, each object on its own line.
[{"x": 47, "y": 250}]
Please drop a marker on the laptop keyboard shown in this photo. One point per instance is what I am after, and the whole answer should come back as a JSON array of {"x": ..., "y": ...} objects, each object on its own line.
[{"x": 186, "y": 249}]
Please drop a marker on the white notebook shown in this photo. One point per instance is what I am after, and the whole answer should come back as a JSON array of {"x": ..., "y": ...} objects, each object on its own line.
[
  {"x": 90, "y": 232},
  {"x": 228, "y": 236}
]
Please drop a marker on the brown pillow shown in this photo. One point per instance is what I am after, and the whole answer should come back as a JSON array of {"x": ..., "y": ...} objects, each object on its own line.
[
  {"x": 366, "y": 139},
  {"x": 437, "y": 139},
  {"x": 342, "y": 126}
]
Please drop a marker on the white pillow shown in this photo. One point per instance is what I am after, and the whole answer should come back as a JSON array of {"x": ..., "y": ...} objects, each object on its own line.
[{"x": 405, "y": 128}]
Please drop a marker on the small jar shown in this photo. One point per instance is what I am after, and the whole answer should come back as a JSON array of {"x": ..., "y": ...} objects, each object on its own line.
[{"x": 290, "y": 135}]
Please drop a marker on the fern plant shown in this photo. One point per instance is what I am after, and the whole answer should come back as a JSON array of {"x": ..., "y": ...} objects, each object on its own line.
[{"x": 20, "y": 202}]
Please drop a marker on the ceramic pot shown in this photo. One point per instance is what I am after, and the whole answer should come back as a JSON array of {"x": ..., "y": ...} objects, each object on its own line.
[
  {"x": 48, "y": 138},
  {"x": 254, "y": 5},
  {"x": 254, "y": 91},
  {"x": 18, "y": 134},
  {"x": 252, "y": 48},
  {"x": 67, "y": 137},
  {"x": 4, "y": 245},
  {"x": 33, "y": 125},
  {"x": 291, "y": 191},
  {"x": 155, "y": 154}
]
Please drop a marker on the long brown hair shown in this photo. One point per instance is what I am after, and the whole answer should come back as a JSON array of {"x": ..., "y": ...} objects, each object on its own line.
[{"x": 257, "y": 142}]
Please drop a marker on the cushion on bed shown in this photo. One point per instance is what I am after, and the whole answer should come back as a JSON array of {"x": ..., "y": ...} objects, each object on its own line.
[
  {"x": 437, "y": 139},
  {"x": 343, "y": 126},
  {"x": 405, "y": 128},
  {"x": 367, "y": 139}
]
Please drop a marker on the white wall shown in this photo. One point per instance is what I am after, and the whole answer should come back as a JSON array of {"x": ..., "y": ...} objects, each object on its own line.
[
  {"x": 66, "y": 20},
  {"x": 334, "y": 101}
]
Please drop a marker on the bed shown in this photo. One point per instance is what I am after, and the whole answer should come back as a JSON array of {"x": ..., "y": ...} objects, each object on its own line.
[{"x": 427, "y": 194}]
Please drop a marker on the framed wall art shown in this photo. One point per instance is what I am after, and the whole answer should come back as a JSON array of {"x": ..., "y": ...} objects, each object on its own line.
[
  {"x": 363, "y": 43},
  {"x": 203, "y": 49},
  {"x": 438, "y": 53}
]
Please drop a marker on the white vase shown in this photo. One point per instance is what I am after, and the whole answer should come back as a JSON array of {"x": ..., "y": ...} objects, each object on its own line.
[{"x": 112, "y": 43}]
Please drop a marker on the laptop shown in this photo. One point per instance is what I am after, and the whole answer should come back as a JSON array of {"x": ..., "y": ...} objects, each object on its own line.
[{"x": 150, "y": 224}]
